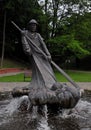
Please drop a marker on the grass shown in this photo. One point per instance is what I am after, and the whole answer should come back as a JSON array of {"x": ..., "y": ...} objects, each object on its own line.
[
  {"x": 8, "y": 63},
  {"x": 14, "y": 78},
  {"x": 77, "y": 76}
]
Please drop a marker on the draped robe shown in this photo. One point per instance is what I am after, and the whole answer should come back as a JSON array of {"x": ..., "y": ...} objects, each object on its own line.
[
  {"x": 42, "y": 73},
  {"x": 43, "y": 87}
]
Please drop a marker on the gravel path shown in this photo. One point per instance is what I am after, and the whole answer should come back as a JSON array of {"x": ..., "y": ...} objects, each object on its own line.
[{"x": 8, "y": 86}]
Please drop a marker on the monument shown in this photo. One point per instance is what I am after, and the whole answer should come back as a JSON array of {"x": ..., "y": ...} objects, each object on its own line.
[{"x": 44, "y": 88}]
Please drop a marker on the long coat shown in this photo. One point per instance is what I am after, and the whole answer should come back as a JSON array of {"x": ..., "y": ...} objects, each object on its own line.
[
  {"x": 42, "y": 73},
  {"x": 43, "y": 87}
]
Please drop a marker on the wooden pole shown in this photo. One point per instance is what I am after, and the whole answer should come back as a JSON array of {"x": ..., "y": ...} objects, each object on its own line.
[{"x": 56, "y": 66}]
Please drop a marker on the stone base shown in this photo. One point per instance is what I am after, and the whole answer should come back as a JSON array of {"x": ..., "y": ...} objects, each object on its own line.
[
  {"x": 60, "y": 94},
  {"x": 17, "y": 92}
]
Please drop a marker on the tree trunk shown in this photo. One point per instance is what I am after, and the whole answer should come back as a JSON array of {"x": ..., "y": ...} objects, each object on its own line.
[{"x": 3, "y": 46}]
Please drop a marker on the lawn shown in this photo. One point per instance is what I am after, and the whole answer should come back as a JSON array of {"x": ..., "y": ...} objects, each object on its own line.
[
  {"x": 10, "y": 63},
  {"x": 77, "y": 76}
]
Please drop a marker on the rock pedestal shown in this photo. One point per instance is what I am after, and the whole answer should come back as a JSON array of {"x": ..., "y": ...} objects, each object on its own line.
[{"x": 60, "y": 94}]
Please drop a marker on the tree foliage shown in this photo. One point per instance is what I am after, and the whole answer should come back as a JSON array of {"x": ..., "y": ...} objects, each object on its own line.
[
  {"x": 64, "y": 24},
  {"x": 60, "y": 10},
  {"x": 67, "y": 46},
  {"x": 19, "y": 11}
]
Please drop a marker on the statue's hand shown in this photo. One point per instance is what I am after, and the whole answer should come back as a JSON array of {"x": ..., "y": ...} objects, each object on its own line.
[
  {"x": 23, "y": 33},
  {"x": 49, "y": 58}
]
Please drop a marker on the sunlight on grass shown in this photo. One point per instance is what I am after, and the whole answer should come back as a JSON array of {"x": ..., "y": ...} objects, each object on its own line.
[{"x": 77, "y": 76}]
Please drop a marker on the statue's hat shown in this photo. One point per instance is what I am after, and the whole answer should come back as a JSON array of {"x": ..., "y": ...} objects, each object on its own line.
[{"x": 33, "y": 21}]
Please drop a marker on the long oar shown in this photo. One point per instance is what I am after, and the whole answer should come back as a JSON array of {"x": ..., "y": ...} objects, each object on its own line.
[{"x": 52, "y": 62}]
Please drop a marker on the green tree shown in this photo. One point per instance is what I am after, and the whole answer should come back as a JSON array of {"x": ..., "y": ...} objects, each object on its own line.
[
  {"x": 67, "y": 47},
  {"x": 83, "y": 31},
  {"x": 60, "y": 10},
  {"x": 73, "y": 21},
  {"x": 20, "y": 11}
]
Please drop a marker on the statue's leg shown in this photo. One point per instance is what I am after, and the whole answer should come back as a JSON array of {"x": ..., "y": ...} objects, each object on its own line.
[{"x": 41, "y": 110}]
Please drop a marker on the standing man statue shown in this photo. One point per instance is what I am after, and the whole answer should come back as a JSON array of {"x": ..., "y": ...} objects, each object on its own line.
[
  {"x": 42, "y": 74},
  {"x": 44, "y": 89}
]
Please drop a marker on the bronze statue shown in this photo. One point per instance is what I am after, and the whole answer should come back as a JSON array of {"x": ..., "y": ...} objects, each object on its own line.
[
  {"x": 42, "y": 73},
  {"x": 44, "y": 88}
]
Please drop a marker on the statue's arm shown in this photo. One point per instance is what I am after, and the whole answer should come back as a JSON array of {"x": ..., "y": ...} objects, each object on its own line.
[
  {"x": 26, "y": 46},
  {"x": 44, "y": 46}
]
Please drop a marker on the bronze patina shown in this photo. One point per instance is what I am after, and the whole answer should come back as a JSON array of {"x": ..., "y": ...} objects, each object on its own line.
[{"x": 44, "y": 88}]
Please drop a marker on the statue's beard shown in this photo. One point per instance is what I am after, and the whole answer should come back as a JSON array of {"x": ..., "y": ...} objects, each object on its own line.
[{"x": 32, "y": 29}]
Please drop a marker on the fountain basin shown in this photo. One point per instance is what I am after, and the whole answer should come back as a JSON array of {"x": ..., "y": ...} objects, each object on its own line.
[{"x": 78, "y": 118}]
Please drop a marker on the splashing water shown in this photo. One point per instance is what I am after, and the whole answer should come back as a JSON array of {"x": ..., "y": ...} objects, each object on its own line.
[
  {"x": 78, "y": 118},
  {"x": 7, "y": 108}
]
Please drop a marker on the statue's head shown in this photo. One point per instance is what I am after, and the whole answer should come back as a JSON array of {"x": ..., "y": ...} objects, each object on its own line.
[{"x": 32, "y": 25}]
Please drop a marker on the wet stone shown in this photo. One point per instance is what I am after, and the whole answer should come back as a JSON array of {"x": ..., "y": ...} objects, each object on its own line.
[{"x": 20, "y": 91}]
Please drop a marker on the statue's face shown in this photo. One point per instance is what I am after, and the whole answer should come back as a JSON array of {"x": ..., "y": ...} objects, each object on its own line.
[{"x": 32, "y": 27}]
